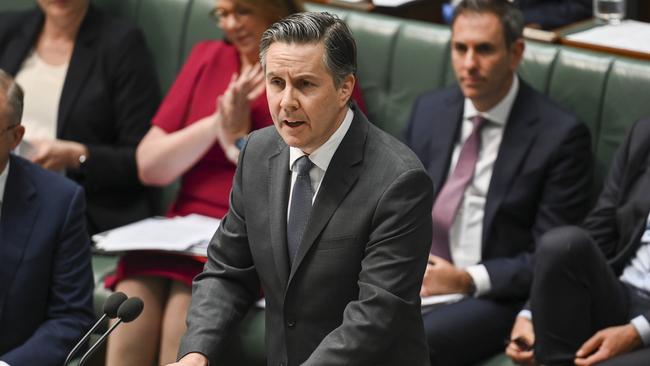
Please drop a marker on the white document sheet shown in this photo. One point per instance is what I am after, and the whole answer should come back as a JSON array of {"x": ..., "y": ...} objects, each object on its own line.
[
  {"x": 391, "y": 3},
  {"x": 430, "y": 302},
  {"x": 629, "y": 35},
  {"x": 180, "y": 234}
]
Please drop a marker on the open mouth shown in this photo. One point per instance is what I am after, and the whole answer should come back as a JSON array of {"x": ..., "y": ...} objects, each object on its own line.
[{"x": 293, "y": 124}]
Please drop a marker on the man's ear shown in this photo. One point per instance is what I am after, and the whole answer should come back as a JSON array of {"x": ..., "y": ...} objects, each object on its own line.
[
  {"x": 17, "y": 136},
  {"x": 516, "y": 53},
  {"x": 345, "y": 89}
]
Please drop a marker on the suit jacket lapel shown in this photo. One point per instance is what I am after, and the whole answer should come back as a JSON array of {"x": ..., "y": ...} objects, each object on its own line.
[
  {"x": 83, "y": 58},
  {"x": 17, "y": 50},
  {"x": 518, "y": 137},
  {"x": 444, "y": 134},
  {"x": 341, "y": 175},
  {"x": 279, "y": 174},
  {"x": 636, "y": 209},
  {"x": 19, "y": 209}
]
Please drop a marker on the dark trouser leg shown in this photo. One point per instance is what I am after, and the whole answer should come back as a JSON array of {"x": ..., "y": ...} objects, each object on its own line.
[
  {"x": 468, "y": 331},
  {"x": 574, "y": 294},
  {"x": 637, "y": 358},
  {"x": 639, "y": 304}
]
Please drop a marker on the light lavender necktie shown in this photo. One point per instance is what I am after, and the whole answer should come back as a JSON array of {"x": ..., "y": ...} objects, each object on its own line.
[{"x": 451, "y": 195}]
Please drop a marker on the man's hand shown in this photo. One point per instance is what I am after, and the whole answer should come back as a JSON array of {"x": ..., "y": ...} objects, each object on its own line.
[
  {"x": 191, "y": 359},
  {"x": 442, "y": 277},
  {"x": 607, "y": 343},
  {"x": 57, "y": 155},
  {"x": 522, "y": 338}
]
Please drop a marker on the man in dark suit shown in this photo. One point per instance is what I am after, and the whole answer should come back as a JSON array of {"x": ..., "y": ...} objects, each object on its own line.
[
  {"x": 45, "y": 278},
  {"x": 507, "y": 165},
  {"x": 341, "y": 277},
  {"x": 590, "y": 299}
]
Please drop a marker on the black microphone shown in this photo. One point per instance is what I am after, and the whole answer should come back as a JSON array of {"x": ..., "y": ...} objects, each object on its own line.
[
  {"x": 111, "y": 305},
  {"x": 127, "y": 312}
]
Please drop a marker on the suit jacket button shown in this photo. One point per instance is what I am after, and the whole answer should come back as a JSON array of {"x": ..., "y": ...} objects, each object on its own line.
[
  {"x": 281, "y": 364},
  {"x": 291, "y": 323}
]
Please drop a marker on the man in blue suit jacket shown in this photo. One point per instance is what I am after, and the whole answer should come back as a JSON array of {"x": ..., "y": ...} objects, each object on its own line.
[
  {"x": 531, "y": 172},
  {"x": 45, "y": 277}
]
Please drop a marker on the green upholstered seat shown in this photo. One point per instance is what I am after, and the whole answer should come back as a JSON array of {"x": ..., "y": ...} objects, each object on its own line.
[
  {"x": 419, "y": 61},
  {"x": 375, "y": 37},
  {"x": 127, "y": 9},
  {"x": 163, "y": 23},
  {"x": 626, "y": 99},
  {"x": 200, "y": 26},
  {"x": 537, "y": 64},
  {"x": 398, "y": 59},
  {"x": 578, "y": 83}
]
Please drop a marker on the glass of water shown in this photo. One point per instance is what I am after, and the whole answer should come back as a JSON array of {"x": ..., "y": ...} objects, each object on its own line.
[{"x": 609, "y": 11}]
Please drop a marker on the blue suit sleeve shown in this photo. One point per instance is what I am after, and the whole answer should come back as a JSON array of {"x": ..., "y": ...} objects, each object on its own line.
[
  {"x": 564, "y": 200},
  {"x": 69, "y": 311}
]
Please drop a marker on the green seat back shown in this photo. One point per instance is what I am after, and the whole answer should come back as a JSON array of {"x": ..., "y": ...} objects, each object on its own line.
[
  {"x": 375, "y": 37},
  {"x": 163, "y": 23},
  {"x": 200, "y": 26},
  {"x": 537, "y": 64},
  {"x": 625, "y": 101},
  {"x": 578, "y": 84},
  {"x": 420, "y": 59},
  {"x": 16, "y": 4},
  {"x": 127, "y": 9}
]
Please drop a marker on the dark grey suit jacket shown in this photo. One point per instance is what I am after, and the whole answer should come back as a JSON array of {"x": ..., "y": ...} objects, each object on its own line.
[
  {"x": 352, "y": 295},
  {"x": 619, "y": 218},
  {"x": 541, "y": 179}
]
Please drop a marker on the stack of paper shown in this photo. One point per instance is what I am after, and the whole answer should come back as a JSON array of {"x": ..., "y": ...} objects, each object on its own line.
[
  {"x": 630, "y": 35},
  {"x": 189, "y": 234}
]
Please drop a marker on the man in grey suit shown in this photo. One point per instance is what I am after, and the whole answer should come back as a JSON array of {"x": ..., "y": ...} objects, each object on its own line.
[{"x": 330, "y": 215}]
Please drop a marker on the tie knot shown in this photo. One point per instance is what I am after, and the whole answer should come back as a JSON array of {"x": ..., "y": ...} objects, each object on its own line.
[
  {"x": 478, "y": 121},
  {"x": 303, "y": 165}
]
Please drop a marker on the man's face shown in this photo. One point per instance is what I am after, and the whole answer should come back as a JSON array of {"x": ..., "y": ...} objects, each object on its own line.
[
  {"x": 10, "y": 134},
  {"x": 483, "y": 63},
  {"x": 305, "y": 105}
]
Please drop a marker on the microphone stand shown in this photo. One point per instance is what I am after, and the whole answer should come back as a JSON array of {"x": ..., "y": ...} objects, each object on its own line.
[
  {"x": 83, "y": 340},
  {"x": 98, "y": 343}
]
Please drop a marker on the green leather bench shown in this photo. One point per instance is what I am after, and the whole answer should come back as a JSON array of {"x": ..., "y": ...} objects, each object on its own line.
[{"x": 398, "y": 60}]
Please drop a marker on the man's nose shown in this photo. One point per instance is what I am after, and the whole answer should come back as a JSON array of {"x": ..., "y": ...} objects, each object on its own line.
[
  {"x": 469, "y": 60},
  {"x": 289, "y": 101}
]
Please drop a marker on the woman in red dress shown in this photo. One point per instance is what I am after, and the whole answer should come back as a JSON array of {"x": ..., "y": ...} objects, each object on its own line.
[{"x": 217, "y": 98}]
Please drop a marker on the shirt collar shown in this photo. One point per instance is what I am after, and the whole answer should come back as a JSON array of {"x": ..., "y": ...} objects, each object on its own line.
[
  {"x": 499, "y": 113},
  {"x": 322, "y": 156},
  {"x": 3, "y": 181}
]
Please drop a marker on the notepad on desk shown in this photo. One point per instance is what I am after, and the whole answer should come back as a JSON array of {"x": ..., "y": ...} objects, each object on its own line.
[{"x": 188, "y": 234}]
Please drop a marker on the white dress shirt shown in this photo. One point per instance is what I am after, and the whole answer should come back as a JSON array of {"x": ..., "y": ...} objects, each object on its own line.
[
  {"x": 321, "y": 157},
  {"x": 3, "y": 183},
  {"x": 465, "y": 236},
  {"x": 637, "y": 275}
]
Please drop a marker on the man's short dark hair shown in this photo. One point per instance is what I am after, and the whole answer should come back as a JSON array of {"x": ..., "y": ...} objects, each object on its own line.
[
  {"x": 13, "y": 94},
  {"x": 305, "y": 28},
  {"x": 511, "y": 18}
]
